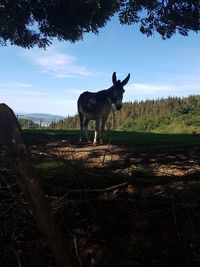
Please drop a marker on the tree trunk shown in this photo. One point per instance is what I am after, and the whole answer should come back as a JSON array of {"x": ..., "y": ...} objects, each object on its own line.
[{"x": 12, "y": 142}]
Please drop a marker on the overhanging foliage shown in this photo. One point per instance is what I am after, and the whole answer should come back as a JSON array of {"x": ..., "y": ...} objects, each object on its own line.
[{"x": 28, "y": 23}]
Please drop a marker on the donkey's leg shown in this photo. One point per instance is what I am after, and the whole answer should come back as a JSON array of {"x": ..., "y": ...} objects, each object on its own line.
[
  {"x": 103, "y": 122},
  {"x": 81, "y": 127},
  {"x": 85, "y": 128},
  {"x": 96, "y": 133}
]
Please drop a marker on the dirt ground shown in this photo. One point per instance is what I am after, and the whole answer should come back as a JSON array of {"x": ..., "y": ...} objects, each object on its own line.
[
  {"x": 174, "y": 160},
  {"x": 139, "y": 208}
]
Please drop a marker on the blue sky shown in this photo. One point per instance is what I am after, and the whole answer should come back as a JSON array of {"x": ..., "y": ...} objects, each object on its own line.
[{"x": 50, "y": 81}]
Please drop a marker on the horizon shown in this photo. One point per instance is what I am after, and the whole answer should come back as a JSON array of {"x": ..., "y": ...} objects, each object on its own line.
[
  {"x": 139, "y": 101},
  {"x": 50, "y": 81}
]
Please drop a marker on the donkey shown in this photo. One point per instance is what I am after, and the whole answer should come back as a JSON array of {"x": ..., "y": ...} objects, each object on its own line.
[{"x": 97, "y": 106}]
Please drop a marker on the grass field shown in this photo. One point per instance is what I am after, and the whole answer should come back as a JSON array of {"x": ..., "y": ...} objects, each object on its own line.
[{"x": 128, "y": 138}]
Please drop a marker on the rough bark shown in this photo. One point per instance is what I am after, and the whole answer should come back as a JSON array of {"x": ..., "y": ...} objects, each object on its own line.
[{"x": 11, "y": 141}]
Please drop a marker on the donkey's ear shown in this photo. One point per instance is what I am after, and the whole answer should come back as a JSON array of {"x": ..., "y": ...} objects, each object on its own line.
[
  {"x": 114, "y": 78},
  {"x": 124, "y": 82}
]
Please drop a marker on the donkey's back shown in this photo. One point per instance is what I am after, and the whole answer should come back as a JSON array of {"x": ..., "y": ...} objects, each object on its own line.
[{"x": 92, "y": 104}]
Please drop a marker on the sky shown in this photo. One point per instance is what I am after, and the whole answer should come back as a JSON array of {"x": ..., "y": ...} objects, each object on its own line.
[{"x": 50, "y": 81}]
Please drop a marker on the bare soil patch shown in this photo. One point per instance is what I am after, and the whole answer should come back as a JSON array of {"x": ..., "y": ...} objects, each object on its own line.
[{"x": 175, "y": 160}]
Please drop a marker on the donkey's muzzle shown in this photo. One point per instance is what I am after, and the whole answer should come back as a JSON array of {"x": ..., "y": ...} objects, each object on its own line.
[{"x": 118, "y": 107}]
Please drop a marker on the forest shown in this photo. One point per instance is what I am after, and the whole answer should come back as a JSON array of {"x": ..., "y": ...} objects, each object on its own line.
[
  {"x": 27, "y": 123},
  {"x": 165, "y": 115}
]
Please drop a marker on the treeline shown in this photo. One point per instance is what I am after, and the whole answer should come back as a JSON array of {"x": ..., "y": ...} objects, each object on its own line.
[
  {"x": 28, "y": 124},
  {"x": 70, "y": 123},
  {"x": 173, "y": 114}
]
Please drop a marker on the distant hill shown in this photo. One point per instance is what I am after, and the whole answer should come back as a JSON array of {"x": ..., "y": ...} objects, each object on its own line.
[{"x": 40, "y": 118}]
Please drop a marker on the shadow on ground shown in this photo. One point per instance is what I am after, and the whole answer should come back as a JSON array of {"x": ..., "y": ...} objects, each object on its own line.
[{"x": 118, "y": 205}]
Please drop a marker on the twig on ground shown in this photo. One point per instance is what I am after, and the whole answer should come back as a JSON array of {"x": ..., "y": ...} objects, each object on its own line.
[
  {"x": 16, "y": 253},
  {"x": 76, "y": 250},
  {"x": 97, "y": 189}
]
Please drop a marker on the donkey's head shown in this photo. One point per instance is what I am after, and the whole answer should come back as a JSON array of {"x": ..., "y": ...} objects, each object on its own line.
[{"x": 118, "y": 90}]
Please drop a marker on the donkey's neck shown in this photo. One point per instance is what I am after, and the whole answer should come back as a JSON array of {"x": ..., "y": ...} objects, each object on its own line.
[{"x": 109, "y": 93}]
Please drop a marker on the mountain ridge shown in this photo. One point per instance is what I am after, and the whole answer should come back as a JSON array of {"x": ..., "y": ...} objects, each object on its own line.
[{"x": 39, "y": 118}]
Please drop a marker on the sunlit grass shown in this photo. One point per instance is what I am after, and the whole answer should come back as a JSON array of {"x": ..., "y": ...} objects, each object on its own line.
[
  {"x": 128, "y": 138},
  {"x": 144, "y": 139},
  {"x": 50, "y": 165}
]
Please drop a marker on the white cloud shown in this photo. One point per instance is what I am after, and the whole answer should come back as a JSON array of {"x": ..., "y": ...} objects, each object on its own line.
[
  {"x": 14, "y": 85},
  {"x": 172, "y": 85},
  {"x": 57, "y": 106},
  {"x": 20, "y": 93},
  {"x": 35, "y": 102},
  {"x": 18, "y": 90},
  {"x": 57, "y": 63},
  {"x": 21, "y": 97}
]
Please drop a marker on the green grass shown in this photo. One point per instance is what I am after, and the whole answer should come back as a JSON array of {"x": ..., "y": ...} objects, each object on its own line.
[
  {"x": 51, "y": 131},
  {"x": 145, "y": 139},
  {"x": 128, "y": 138}
]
